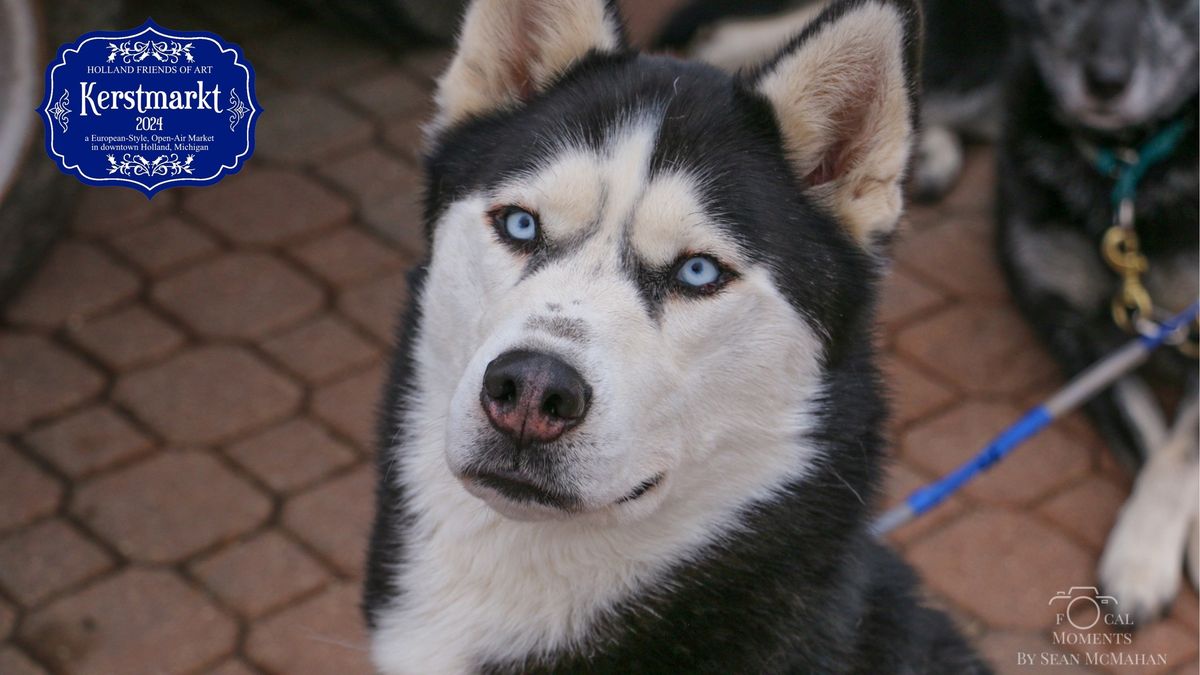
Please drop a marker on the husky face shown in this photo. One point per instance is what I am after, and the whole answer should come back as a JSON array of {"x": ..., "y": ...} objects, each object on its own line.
[
  {"x": 608, "y": 313},
  {"x": 638, "y": 287},
  {"x": 1114, "y": 64}
]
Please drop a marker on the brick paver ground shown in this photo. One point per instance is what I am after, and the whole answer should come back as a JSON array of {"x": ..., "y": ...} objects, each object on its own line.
[{"x": 187, "y": 391}]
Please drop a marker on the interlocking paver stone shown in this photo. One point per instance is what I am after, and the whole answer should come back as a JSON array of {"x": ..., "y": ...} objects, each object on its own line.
[
  {"x": 239, "y": 295},
  {"x": 405, "y": 137},
  {"x": 1001, "y": 648},
  {"x": 1167, "y": 639},
  {"x": 319, "y": 636},
  {"x": 244, "y": 19},
  {"x": 164, "y": 244},
  {"x": 334, "y": 518},
  {"x": 1043, "y": 463},
  {"x": 8, "y": 618},
  {"x": 397, "y": 217},
  {"x": 985, "y": 349},
  {"x": 232, "y": 667},
  {"x": 91, "y": 439},
  {"x": 208, "y": 395},
  {"x": 957, "y": 257},
  {"x": 38, "y": 378},
  {"x": 13, "y": 662},
  {"x": 376, "y": 305},
  {"x": 308, "y": 53},
  {"x": 170, "y": 506},
  {"x": 26, "y": 492},
  {"x": 104, "y": 211},
  {"x": 1087, "y": 509},
  {"x": 1188, "y": 668},
  {"x": 370, "y": 174},
  {"x": 76, "y": 280},
  {"x": 38, "y": 561},
  {"x": 1186, "y": 609},
  {"x": 128, "y": 337},
  {"x": 388, "y": 95},
  {"x": 428, "y": 65},
  {"x": 139, "y": 621},
  {"x": 913, "y": 393},
  {"x": 347, "y": 256},
  {"x": 1002, "y": 566},
  {"x": 259, "y": 575},
  {"x": 321, "y": 349},
  {"x": 976, "y": 187},
  {"x": 903, "y": 297},
  {"x": 307, "y": 126},
  {"x": 291, "y": 455},
  {"x": 349, "y": 405},
  {"x": 265, "y": 206}
]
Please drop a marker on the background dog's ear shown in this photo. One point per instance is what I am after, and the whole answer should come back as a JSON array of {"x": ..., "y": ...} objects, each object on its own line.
[
  {"x": 844, "y": 93},
  {"x": 510, "y": 49}
]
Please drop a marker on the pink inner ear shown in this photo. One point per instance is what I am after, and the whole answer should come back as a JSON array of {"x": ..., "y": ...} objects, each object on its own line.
[
  {"x": 847, "y": 125},
  {"x": 523, "y": 53},
  {"x": 832, "y": 164}
]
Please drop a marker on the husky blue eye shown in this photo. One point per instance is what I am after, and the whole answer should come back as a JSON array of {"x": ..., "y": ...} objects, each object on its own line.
[
  {"x": 520, "y": 225},
  {"x": 698, "y": 271}
]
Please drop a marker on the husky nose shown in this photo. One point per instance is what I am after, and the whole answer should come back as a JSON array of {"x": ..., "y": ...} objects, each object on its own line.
[
  {"x": 1106, "y": 77},
  {"x": 533, "y": 397}
]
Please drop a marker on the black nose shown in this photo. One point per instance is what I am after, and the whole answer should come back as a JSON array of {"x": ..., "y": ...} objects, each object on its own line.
[
  {"x": 1107, "y": 76},
  {"x": 533, "y": 397}
]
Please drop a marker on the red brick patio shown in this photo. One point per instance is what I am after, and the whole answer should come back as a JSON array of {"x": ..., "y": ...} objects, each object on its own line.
[{"x": 187, "y": 391}]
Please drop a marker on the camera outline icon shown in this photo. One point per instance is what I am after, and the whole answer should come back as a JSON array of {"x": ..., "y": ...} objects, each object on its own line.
[{"x": 1103, "y": 603}]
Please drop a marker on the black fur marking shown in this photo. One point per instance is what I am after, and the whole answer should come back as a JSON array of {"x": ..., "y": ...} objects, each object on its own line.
[
  {"x": 562, "y": 327},
  {"x": 392, "y": 518}
]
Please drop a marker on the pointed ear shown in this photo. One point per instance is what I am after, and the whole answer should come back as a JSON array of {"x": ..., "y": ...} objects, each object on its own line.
[
  {"x": 844, "y": 93},
  {"x": 508, "y": 50}
]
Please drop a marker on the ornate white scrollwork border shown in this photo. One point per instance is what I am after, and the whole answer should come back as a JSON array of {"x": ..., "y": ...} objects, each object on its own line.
[
  {"x": 59, "y": 110},
  {"x": 133, "y": 164},
  {"x": 163, "y": 51}
]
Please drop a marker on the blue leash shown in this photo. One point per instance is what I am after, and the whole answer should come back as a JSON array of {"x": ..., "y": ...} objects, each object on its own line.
[{"x": 1076, "y": 392}]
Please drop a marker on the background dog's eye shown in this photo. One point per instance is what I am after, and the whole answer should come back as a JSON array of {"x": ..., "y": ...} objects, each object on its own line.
[
  {"x": 520, "y": 225},
  {"x": 699, "y": 272}
]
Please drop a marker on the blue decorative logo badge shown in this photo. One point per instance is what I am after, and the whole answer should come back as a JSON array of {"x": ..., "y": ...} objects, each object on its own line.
[{"x": 150, "y": 108}]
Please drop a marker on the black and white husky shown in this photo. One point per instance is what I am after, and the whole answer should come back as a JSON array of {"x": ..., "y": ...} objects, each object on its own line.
[
  {"x": 634, "y": 423},
  {"x": 1109, "y": 75}
]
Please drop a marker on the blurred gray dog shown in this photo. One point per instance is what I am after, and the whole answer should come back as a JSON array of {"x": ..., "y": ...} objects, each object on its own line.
[{"x": 1099, "y": 88}]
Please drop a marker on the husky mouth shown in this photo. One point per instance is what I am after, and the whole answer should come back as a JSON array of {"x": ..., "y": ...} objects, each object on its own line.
[
  {"x": 518, "y": 488},
  {"x": 646, "y": 486}
]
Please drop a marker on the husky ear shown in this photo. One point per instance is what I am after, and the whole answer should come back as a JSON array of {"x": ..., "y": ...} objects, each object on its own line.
[
  {"x": 509, "y": 50},
  {"x": 844, "y": 96}
]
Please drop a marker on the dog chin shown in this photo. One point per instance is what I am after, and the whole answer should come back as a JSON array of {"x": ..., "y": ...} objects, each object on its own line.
[
  {"x": 520, "y": 510},
  {"x": 1104, "y": 121},
  {"x": 638, "y": 503},
  {"x": 1107, "y": 119}
]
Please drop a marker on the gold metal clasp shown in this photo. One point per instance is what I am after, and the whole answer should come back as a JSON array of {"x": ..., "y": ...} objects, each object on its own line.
[
  {"x": 1130, "y": 304},
  {"x": 1123, "y": 254}
]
